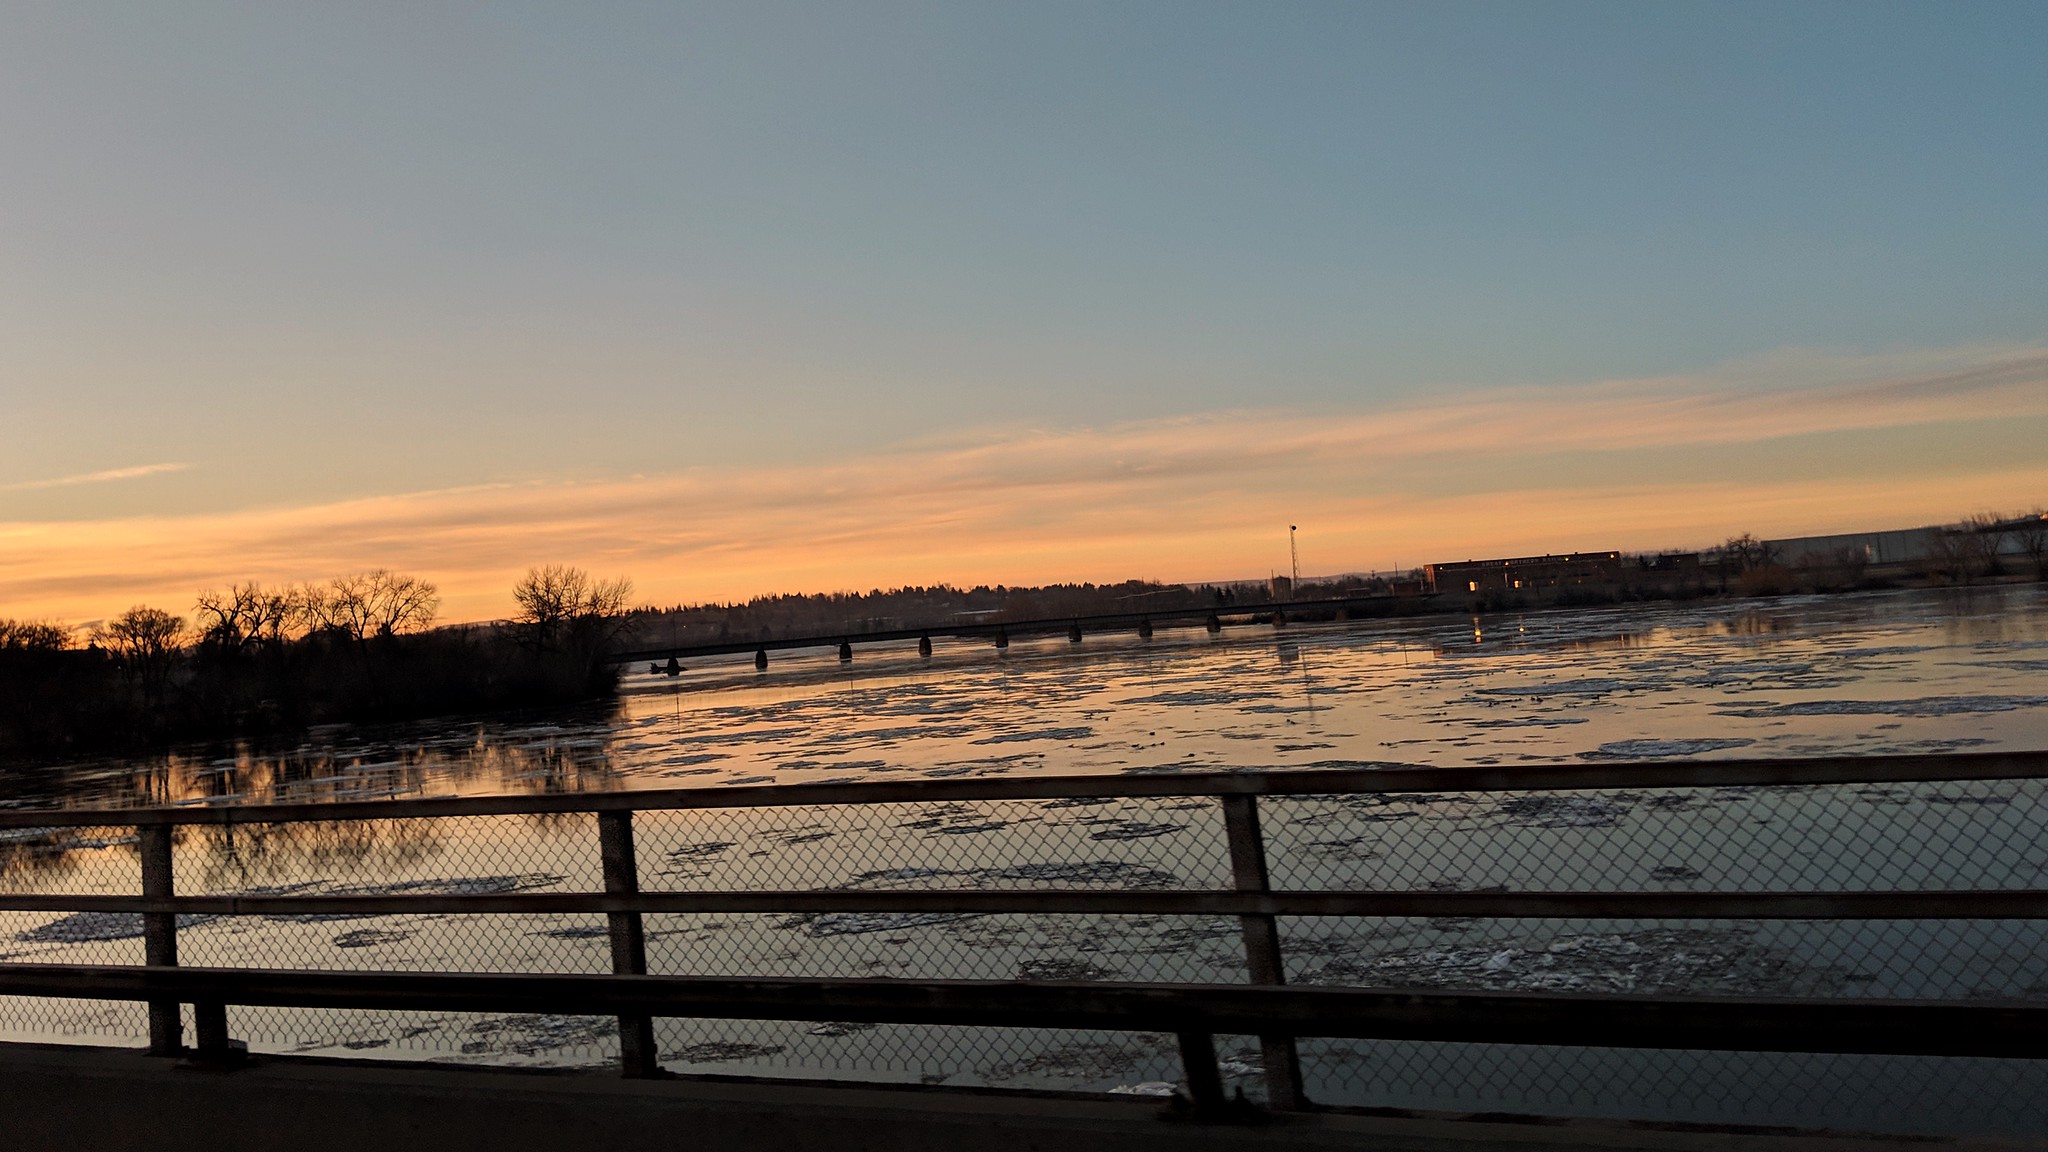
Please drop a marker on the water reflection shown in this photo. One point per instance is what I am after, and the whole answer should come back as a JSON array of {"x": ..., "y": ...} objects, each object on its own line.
[{"x": 559, "y": 752}]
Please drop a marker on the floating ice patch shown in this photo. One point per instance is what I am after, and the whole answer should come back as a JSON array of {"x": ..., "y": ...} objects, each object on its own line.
[
  {"x": 1115, "y": 873},
  {"x": 1922, "y": 707},
  {"x": 1562, "y": 812},
  {"x": 1661, "y": 749},
  {"x": 692, "y": 758},
  {"x": 803, "y": 837},
  {"x": 721, "y": 1051},
  {"x": 575, "y": 933},
  {"x": 839, "y": 1028},
  {"x": 1134, "y": 830},
  {"x": 1148, "y": 1088},
  {"x": 1062, "y": 969},
  {"x": 703, "y": 850},
  {"x": 1037, "y": 734},
  {"x": 1525, "y": 722},
  {"x": 369, "y": 938},
  {"x": 1197, "y": 699},
  {"x": 460, "y": 886},
  {"x": 954, "y": 820},
  {"x": 1585, "y": 686},
  {"x": 837, "y": 765},
  {"x": 533, "y": 1035},
  {"x": 1681, "y": 961},
  {"x": 863, "y": 923},
  {"x": 91, "y": 927}
]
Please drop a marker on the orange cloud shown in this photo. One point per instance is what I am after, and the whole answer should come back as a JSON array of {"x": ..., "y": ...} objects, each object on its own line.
[{"x": 1204, "y": 496}]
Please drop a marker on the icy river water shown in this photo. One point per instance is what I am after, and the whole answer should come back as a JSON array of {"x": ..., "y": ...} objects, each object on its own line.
[{"x": 1881, "y": 672}]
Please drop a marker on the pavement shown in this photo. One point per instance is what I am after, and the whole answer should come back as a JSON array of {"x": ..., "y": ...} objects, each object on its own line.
[{"x": 64, "y": 1099}]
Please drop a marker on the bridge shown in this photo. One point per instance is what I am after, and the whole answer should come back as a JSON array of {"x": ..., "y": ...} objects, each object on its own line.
[
  {"x": 998, "y": 632},
  {"x": 1990, "y": 805}
]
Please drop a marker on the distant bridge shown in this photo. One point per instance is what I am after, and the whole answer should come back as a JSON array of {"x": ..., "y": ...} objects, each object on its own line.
[{"x": 1139, "y": 620}]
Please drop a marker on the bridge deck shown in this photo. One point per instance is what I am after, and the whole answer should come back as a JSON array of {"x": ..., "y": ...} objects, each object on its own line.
[
  {"x": 61, "y": 1099},
  {"x": 1049, "y": 625}
]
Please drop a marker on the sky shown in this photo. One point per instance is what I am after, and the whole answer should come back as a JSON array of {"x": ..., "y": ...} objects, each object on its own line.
[{"x": 750, "y": 298}]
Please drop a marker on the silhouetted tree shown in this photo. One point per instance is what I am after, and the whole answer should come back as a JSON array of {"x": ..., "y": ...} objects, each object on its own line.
[
  {"x": 373, "y": 604},
  {"x": 248, "y": 615},
  {"x": 33, "y": 636},
  {"x": 144, "y": 643},
  {"x": 2031, "y": 535},
  {"x": 571, "y": 621},
  {"x": 1983, "y": 538}
]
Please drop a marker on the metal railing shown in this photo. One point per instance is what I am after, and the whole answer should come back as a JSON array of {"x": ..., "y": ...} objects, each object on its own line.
[{"x": 1196, "y": 1013}]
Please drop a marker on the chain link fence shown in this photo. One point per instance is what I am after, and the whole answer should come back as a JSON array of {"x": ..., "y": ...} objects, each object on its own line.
[{"x": 1949, "y": 835}]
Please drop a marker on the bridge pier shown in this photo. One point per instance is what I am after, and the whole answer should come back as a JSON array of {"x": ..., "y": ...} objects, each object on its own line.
[
  {"x": 1074, "y": 633},
  {"x": 1214, "y": 623},
  {"x": 760, "y": 659},
  {"x": 845, "y": 652},
  {"x": 1145, "y": 628},
  {"x": 1002, "y": 638},
  {"x": 1279, "y": 617},
  {"x": 924, "y": 645}
]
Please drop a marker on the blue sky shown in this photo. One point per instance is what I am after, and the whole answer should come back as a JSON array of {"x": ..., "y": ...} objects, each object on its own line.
[{"x": 311, "y": 255}]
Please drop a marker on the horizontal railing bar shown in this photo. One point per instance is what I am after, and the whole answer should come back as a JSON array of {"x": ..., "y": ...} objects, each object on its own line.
[
  {"x": 1527, "y": 778},
  {"x": 1972, "y": 904},
  {"x": 1899, "y": 1027}
]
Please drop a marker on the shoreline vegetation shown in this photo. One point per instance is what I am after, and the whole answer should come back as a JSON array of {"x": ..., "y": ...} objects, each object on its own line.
[{"x": 256, "y": 662}]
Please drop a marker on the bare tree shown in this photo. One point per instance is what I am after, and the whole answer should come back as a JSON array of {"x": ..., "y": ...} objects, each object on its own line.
[
  {"x": 2030, "y": 532},
  {"x": 248, "y": 615},
  {"x": 1952, "y": 555},
  {"x": 1738, "y": 555},
  {"x": 564, "y": 609},
  {"x": 143, "y": 641},
  {"x": 33, "y": 636},
  {"x": 1984, "y": 539},
  {"x": 373, "y": 604}
]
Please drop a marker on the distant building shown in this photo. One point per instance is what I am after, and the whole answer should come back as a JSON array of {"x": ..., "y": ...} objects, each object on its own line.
[
  {"x": 1878, "y": 549},
  {"x": 1525, "y": 573}
]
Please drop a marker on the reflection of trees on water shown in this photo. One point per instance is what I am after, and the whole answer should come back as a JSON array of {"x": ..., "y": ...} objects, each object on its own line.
[
  {"x": 571, "y": 754},
  {"x": 235, "y": 855},
  {"x": 40, "y": 854},
  {"x": 565, "y": 753}
]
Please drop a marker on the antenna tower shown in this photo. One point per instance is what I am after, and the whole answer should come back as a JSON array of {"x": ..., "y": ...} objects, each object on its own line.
[{"x": 1294, "y": 555}]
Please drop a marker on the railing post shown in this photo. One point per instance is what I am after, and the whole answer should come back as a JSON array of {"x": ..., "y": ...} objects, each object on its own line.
[
  {"x": 160, "y": 936},
  {"x": 1205, "y": 1079},
  {"x": 638, "y": 1056},
  {"x": 1262, "y": 945}
]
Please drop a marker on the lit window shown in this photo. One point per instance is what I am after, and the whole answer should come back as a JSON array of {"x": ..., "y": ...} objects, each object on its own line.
[{"x": 1471, "y": 585}]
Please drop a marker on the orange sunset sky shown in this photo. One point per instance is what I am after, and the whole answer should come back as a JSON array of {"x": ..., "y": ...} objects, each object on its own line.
[{"x": 734, "y": 301}]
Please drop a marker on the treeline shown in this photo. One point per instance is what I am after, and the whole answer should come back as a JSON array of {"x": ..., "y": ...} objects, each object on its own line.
[{"x": 254, "y": 659}]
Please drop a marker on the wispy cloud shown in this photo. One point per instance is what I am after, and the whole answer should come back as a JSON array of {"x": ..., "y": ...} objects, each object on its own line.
[
  {"x": 133, "y": 473},
  {"x": 1196, "y": 496}
]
